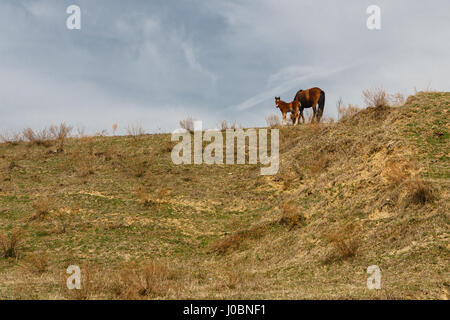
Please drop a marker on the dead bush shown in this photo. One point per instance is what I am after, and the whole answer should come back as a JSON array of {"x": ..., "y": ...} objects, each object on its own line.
[
  {"x": 234, "y": 241},
  {"x": 150, "y": 279},
  {"x": 135, "y": 131},
  {"x": 38, "y": 137},
  {"x": 398, "y": 99},
  {"x": 60, "y": 134},
  {"x": 10, "y": 137},
  {"x": 9, "y": 243},
  {"x": 346, "y": 111},
  {"x": 418, "y": 192},
  {"x": 345, "y": 242},
  {"x": 273, "y": 120},
  {"x": 37, "y": 262},
  {"x": 291, "y": 215},
  {"x": 396, "y": 172},
  {"x": 188, "y": 124},
  {"x": 320, "y": 164},
  {"x": 114, "y": 128},
  {"x": 376, "y": 98},
  {"x": 41, "y": 209},
  {"x": 137, "y": 167}
]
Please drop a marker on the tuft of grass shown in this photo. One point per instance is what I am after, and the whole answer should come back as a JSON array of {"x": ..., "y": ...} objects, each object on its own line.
[
  {"x": 291, "y": 215},
  {"x": 37, "y": 262},
  {"x": 41, "y": 209},
  {"x": 345, "y": 242},
  {"x": 396, "y": 172},
  {"x": 346, "y": 111},
  {"x": 376, "y": 98},
  {"x": 234, "y": 241},
  {"x": 420, "y": 192},
  {"x": 9, "y": 243},
  {"x": 320, "y": 164},
  {"x": 188, "y": 124},
  {"x": 135, "y": 131},
  {"x": 148, "y": 280},
  {"x": 273, "y": 120}
]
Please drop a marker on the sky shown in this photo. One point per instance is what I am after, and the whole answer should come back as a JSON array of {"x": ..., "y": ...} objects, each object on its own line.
[{"x": 157, "y": 62}]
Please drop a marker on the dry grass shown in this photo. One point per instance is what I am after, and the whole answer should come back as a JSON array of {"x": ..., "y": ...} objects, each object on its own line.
[
  {"x": 41, "y": 209},
  {"x": 188, "y": 124},
  {"x": 150, "y": 279},
  {"x": 114, "y": 128},
  {"x": 396, "y": 171},
  {"x": 291, "y": 215},
  {"x": 273, "y": 120},
  {"x": 234, "y": 241},
  {"x": 345, "y": 241},
  {"x": 419, "y": 192},
  {"x": 346, "y": 111},
  {"x": 37, "y": 262},
  {"x": 9, "y": 243},
  {"x": 60, "y": 134},
  {"x": 319, "y": 164},
  {"x": 376, "y": 98},
  {"x": 135, "y": 131}
]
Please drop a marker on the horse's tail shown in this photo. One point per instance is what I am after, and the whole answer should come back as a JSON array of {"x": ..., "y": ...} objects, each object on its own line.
[{"x": 321, "y": 103}]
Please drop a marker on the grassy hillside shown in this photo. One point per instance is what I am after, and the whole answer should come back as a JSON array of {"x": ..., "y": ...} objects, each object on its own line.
[{"x": 370, "y": 189}]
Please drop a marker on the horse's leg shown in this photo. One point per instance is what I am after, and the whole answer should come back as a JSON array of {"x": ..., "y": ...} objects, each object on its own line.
[
  {"x": 284, "y": 118},
  {"x": 314, "y": 113},
  {"x": 301, "y": 115}
]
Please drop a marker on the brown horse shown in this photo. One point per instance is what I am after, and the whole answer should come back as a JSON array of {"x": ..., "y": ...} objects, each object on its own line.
[
  {"x": 310, "y": 98},
  {"x": 286, "y": 107}
]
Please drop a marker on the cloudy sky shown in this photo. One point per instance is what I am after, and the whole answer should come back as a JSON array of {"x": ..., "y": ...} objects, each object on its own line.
[{"x": 156, "y": 62}]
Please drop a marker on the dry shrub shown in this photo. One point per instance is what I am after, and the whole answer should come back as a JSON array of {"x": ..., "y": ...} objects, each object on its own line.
[
  {"x": 114, "y": 128},
  {"x": 345, "y": 241},
  {"x": 291, "y": 215},
  {"x": 10, "y": 137},
  {"x": 273, "y": 120},
  {"x": 9, "y": 243},
  {"x": 83, "y": 158},
  {"x": 144, "y": 197},
  {"x": 375, "y": 97},
  {"x": 398, "y": 99},
  {"x": 62, "y": 218},
  {"x": 39, "y": 137},
  {"x": 224, "y": 125},
  {"x": 320, "y": 164},
  {"x": 37, "y": 262},
  {"x": 41, "y": 209},
  {"x": 150, "y": 280},
  {"x": 86, "y": 166},
  {"x": 152, "y": 199},
  {"x": 346, "y": 111},
  {"x": 188, "y": 124},
  {"x": 396, "y": 172},
  {"x": 60, "y": 134},
  {"x": 135, "y": 131},
  {"x": 419, "y": 192},
  {"x": 234, "y": 241},
  {"x": 137, "y": 167}
]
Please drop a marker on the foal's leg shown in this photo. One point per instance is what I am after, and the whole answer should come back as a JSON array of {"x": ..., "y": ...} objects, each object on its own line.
[{"x": 284, "y": 118}]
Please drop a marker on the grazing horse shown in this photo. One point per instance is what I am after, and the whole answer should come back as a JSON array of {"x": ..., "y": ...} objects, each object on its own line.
[
  {"x": 286, "y": 107},
  {"x": 310, "y": 98}
]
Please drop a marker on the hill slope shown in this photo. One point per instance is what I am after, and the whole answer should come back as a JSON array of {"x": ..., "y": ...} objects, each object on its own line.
[{"x": 371, "y": 189}]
